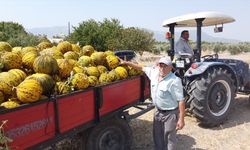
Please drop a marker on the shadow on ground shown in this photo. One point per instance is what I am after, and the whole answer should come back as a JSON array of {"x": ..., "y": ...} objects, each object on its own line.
[
  {"x": 143, "y": 139},
  {"x": 186, "y": 142}
]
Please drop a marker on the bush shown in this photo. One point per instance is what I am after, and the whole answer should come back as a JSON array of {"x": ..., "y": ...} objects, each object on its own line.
[
  {"x": 3, "y": 139},
  {"x": 110, "y": 35},
  {"x": 15, "y": 35}
]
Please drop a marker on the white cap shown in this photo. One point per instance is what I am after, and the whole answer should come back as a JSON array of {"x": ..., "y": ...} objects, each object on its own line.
[{"x": 166, "y": 60}]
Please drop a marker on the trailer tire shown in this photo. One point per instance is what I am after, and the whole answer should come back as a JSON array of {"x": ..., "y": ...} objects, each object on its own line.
[
  {"x": 110, "y": 135},
  {"x": 212, "y": 96},
  {"x": 83, "y": 136}
]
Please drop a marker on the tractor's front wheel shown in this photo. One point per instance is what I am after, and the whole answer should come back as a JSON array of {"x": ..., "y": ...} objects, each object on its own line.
[{"x": 212, "y": 96}]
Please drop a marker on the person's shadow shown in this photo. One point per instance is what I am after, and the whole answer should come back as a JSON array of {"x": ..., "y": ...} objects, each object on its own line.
[
  {"x": 143, "y": 138},
  {"x": 185, "y": 142}
]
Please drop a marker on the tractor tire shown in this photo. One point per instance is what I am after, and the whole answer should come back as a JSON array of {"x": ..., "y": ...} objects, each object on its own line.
[
  {"x": 212, "y": 96},
  {"x": 188, "y": 88},
  {"x": 110, "y": 135}
]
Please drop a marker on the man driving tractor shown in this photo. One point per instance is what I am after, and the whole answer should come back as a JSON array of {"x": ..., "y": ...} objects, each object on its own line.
[{"x": 182, "y": 46}]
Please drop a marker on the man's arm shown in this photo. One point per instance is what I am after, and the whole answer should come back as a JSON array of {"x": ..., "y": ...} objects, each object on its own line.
[
  {"x": 133, "y": 65},
  {"x": 181, "y": 123},
  {"x": 177, "y": 93}
]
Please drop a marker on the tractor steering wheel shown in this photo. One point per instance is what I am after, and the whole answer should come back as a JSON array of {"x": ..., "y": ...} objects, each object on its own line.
[{"x": 213, "y": 56}]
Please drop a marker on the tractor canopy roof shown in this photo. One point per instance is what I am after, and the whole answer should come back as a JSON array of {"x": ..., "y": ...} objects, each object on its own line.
[{"x": 189, "y": 20}]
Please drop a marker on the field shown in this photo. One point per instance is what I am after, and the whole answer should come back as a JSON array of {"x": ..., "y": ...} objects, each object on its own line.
[{"x": 233, "y": 134}]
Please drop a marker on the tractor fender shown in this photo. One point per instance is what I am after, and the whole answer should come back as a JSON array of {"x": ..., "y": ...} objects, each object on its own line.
[{"x": 203, "y": 66}]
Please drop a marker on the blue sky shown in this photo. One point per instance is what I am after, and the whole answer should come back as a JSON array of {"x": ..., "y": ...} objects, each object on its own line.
[{"x": 139, "y": 13}]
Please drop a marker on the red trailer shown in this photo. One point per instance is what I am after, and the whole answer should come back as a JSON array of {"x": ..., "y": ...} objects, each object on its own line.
[{"x": 98, "y": 114}]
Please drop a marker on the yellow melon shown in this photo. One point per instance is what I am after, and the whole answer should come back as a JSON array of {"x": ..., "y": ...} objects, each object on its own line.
[
  {"x": 99, "y": 58},
  {"x": 104, "y": 78},
  {"x": 10, "y": 104},
  {"x": 71, "y": 55},
  {"x": 29, "y": 91},
  {"x": 63, "y": 88},
  {"x": 28, "y": 59},
  {"x": 87, "y": 50},
  {"x": 112, "y": 61},
  {"x": 5, "y": 46},
  {"x": 45, "y": 64},
  {"x": 45, "y": 80},
  {"x": 80, "y": 81},
  {"x": 122, "y": 72},
  {"x": 11, "y": 61},
  {"x": 28, "y": 49},
  {"x": 65, "y": 67},
  {"x": 102, "y": 69},
  {"x": 76, "y": 48},
  {"x": 93, "y": 80},
  {"x": 64, "y": 46},
  {"x": 85, "y": 61},
  {"x": 1, "y": 97},
  {"x": 93, "y": 71},
  {"x": 44, "y": 45}
]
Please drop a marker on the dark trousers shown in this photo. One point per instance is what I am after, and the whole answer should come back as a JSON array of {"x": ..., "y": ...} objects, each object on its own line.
[{"x": 164, "y": 129}]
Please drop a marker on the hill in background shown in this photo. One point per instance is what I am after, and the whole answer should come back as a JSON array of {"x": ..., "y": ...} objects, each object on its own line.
[
  {"x": 49, "y": 31},
  {"x": 158, "y": 35}
]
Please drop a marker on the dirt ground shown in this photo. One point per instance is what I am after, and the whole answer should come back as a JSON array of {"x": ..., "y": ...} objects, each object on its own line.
[{"x": 233, "y": 134}]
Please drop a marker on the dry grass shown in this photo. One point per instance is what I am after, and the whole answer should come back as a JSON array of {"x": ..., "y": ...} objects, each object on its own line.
[{"x": 243, "y": 56}]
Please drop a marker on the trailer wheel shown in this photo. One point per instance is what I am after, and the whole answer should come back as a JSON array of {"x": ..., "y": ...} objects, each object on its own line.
[
  {"x": 212, "y": 96},
  {"x": 110, "y": 135}
]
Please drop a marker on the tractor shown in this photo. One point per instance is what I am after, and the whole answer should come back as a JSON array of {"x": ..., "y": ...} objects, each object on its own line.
[{"x": 210, "y": 83}]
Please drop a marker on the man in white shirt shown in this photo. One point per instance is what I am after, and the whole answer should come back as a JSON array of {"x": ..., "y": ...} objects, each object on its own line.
[
  {"x": 168, "y": 98},
  {"x": 182, "y": 46}
]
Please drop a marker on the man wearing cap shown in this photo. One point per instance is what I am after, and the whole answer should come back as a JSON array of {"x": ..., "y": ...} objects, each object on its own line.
[{"x": 167, "y": 95}]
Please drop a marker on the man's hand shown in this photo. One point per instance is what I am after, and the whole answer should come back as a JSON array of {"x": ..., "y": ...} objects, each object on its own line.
[
  {"x": 180, "y": 124},
  {"x": 133, "y": 65},
  {"x": 122, "y": 62}
]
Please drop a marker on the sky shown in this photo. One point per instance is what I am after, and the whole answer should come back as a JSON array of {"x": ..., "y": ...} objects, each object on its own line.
[{"x": 147, "y": 14}]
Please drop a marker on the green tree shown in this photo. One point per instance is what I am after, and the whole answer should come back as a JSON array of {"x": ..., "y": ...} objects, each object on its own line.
[
  {"x": 217, "y": 48},
  {"x": 162, "y": 46},
  {"x": 137, "y": 39},
  {"x": 110, "y": 35},
  {"x": 16, "y": 35},
  {"x": 11, "y": 30},
  {"x": 85, "y": 33},
  {"x": 101, "y": 35},
  {"x": 25, "y": 40}
]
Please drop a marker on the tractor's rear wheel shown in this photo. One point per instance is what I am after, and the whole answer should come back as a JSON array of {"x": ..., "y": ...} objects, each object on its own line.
[{"x": 212, "y": 96}]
